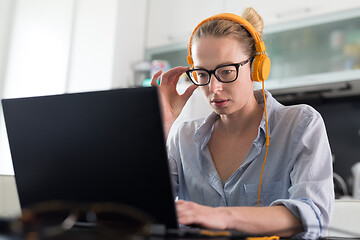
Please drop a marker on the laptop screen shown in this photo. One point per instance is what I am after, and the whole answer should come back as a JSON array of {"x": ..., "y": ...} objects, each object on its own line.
[{"x": 103, "y": 146}]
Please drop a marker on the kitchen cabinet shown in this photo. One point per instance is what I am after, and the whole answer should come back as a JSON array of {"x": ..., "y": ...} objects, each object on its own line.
[
  {"x": 320, "y": 53},
  {"x": 280, "y": 11},
  {"x": 171, "y": 21}
]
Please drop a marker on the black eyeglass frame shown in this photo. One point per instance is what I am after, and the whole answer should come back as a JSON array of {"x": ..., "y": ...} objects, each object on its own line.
[{"x": 210, "y": 72}]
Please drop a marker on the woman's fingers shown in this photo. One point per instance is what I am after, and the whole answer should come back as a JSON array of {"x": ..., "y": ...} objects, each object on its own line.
[
  {"x": 188, "y": 212},
  {"x": 193, "y": 213},
  {"x": 172, "y": 76},
  {"x": 188, "y": 92},
  {"x": 155, "y": 78}
]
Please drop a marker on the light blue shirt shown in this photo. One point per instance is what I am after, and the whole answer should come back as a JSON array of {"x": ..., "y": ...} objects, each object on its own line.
[{"x": 297, "y": 174}]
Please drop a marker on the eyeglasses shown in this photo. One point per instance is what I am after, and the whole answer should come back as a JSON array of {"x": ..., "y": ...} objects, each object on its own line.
[
  {"x": 56, "y": 219},
  {"x": 226, "y": 73}
]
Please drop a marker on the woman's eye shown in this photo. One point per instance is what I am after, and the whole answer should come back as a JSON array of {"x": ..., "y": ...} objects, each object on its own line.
[
  {"x": 226, "y": 72},
  {"x": 201, "y": 75}
]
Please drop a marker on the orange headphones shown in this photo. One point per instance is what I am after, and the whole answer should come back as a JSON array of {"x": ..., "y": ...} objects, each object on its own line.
[{"x": 260, "y": 66}]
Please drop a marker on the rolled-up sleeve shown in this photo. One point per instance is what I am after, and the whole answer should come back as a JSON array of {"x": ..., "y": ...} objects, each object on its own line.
[{"x": 311, "y": 191}]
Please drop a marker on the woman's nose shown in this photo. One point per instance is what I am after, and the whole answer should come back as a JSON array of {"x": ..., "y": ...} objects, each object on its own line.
[{"x": 215, "y": 85}]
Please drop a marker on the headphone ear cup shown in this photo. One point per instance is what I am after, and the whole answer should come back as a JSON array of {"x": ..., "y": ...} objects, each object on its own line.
[
  {"x": 189, "y": 60},
  {"x": 260, "y": 68}
]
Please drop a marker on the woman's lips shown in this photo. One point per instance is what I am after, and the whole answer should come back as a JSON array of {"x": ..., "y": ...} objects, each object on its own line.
[{"x": 219, "y": 102}]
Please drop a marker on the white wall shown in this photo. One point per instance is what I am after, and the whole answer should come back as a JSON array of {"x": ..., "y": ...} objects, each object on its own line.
[
  {"x": 58, "y": 46},
  {"x": 93, "y": 44},
  {"x": 39, "y": 48},
  {"x": 6, "y": 12},
  {"x": 130, "y": 40},
  {"x": 6, "y": 7}
]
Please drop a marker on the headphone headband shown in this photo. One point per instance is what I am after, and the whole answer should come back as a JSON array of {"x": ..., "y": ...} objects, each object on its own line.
[{"x": 262, "y": 62}]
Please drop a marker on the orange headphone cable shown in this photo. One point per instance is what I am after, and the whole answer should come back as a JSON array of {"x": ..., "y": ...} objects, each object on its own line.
[{"x": 267, "y": 142}]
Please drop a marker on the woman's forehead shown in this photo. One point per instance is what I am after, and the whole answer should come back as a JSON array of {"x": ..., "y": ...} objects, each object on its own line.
[{"x": 214, "y": 51}]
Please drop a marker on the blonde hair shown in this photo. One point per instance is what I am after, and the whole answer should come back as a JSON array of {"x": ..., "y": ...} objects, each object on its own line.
[{"x": 224, "y": 28}]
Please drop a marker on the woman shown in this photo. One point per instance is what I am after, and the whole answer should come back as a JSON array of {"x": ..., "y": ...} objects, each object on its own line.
[{"x": 216, "y": 163}]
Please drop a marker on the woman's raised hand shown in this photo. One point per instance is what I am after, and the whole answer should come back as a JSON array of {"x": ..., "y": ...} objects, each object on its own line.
[{"x": 171, "y": 101}]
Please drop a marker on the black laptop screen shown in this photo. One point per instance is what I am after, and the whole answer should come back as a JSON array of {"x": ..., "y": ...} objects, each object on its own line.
[{"x": 91, "y": 147}]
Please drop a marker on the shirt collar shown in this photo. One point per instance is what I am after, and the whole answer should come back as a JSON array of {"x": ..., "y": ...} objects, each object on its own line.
[
  {"x": 203, "y": 132},
  {"x": 269, "y": 107}
]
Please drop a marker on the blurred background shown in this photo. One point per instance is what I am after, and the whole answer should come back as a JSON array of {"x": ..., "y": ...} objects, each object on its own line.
[{"x": 64, "y": 46}]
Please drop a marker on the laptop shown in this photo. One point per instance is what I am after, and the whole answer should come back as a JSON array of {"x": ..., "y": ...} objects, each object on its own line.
[
  {"x": 101, "y": 146},
  {"x": 93, "y": 147}
]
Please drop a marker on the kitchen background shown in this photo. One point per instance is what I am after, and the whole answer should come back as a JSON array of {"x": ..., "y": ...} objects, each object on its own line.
[{"x": 62, "y": 46}]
